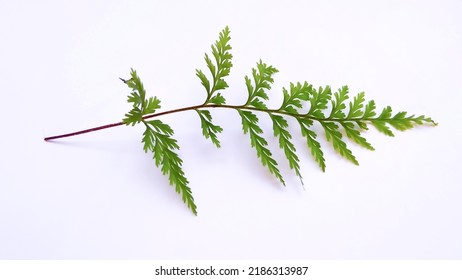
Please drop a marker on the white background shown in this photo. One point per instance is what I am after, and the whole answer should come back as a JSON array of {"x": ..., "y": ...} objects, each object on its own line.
[{"x": 100, "y": 196}]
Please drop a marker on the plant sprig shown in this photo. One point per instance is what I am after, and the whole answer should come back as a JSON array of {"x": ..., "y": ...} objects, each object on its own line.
[{"x": 339, "y": 116}]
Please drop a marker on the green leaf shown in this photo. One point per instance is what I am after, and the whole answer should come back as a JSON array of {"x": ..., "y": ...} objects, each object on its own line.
[
  {"x": 262, "y": 80},
  {"x": 386, "y": 113},
  {"x": 211, "y": 66},
  {"x": 380, "y": 123},
  {"x": 151, "y": 105},
  {"x": 381, "y": 126},
  {"x": 402, "y": 122},
  {"x": 355, "y": 135},
  {"x": 280, "y": 131},
  {"x": 399, "y": 121},
  {"x": 293, "y": 99},
  {"x": 134, "y": 116},
  {"x": 257, "y": 103},
  {"x": 134, "y": 98},
  {"x": 338, "y": 103},
  {"x": 250, "y": 126},
  {"x": 362, "y": 124},
  {"x": 141, "y": 105},
  {"x": 334, "y": 136},
  {"x": 158, "y": 136},
  {"x": 209, "y": 130},
  {"x": 157, "y": 139},
  {"x": 217, "y": 99},
  {"x": 220, "y": 84},
  {"x": 249, "y": 85},
  {"x": 356, "y": 107},
  {"x": 313, "y": 145},
  {"x": 149, "y": 140},
  {"x": 205, "y": 82},
  {"x": 369, "y": 111},
  {"x": 139, "y": 93},
  {"x": 318, "y": 100},
  {"x": 161, "y": 127},
  {"x": 219, "y": 67}
]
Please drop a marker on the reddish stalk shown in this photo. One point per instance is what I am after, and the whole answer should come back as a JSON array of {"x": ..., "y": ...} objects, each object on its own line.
[
  {"x": 121, "y": 123},
  {"x": 83, "y": 131},
  {"x": 196, "y": 107}
]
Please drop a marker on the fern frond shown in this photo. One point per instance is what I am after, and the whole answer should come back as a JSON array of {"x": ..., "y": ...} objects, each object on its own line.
[
  {"x": 151, "y": 105},
  {"x": 157, "y": 139},
  {"x": 369, "y": 110},
  {"x": 293, "y": 99},
  {"x": 337, "y": 114},
  {"x": 262, "y": 80},
  {"x": 311, "y": 141},
  {"x": 338, "y": 103},
  {"x": 219, "y": 68},
  {"x": 334, "y": 136},
  {"x": 280, "y": 130},
  {"x": 318, "y": 100},
  {"x": 217, "y": 99},
  {"x": 138, "y": 94},
  {"x": 141, "y": 105},
  {"x": 355, "y": 135},
  {"x": 209, "y": 130},
  {"x": 340, "y": 117},
  {"x": 356, "y": 106},
  {"x": 134, "y": 116},
  {"x": 251, "y": 127}
]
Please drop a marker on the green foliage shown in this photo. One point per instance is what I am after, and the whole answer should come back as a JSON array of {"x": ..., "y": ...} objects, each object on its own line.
[
  {"x": 293, "y": 99},
  {"x": 356, "y": 106},
  {"x": 338, "y": 103},
  {"x": 318, "y": 102},
  {"x": 157, "y": 138},
  {"x": 280, "y": 126},
  {"x": 354, "y": 134},
  {"x": 219, "y": 68},
  {"x": 250, "y": 126},
  {"x": 335, "y": 113},
  {"x": 141, "y": 105},
  {"x": 209, "y": 130},
  {"x": 334, "y": 135},
  {"x": 262, "y": 80},
  {"x": 313, "y": 144}
]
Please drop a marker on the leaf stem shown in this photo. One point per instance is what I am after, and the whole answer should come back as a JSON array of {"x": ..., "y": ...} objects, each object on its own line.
[
  {"x": 195, "y": 107},
  {"x": 83, "y": 131}
]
